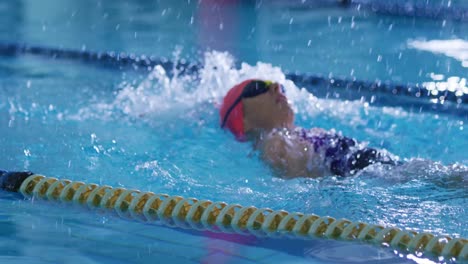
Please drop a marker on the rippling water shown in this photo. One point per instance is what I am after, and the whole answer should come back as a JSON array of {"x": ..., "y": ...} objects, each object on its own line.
[{"x": 160, "y": 133}]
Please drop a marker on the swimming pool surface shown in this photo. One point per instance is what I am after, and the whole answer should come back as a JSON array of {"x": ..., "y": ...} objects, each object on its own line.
[{"x": 157, "y": 132}]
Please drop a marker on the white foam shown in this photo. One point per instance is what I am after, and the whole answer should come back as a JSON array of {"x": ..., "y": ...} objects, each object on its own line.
[
  {"x": 161, "y": 95},
  {"x": 158, "y": 92}
]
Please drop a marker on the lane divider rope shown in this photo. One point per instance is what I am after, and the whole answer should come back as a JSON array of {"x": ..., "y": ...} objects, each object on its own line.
[
  {"x": 123, "y": 60},
  {"x": 191, "y": 213},
  {"x": 108, "y": 58}
]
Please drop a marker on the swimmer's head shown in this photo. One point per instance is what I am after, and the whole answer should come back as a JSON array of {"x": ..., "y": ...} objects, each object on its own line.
[{"x": 255, "y": 105}]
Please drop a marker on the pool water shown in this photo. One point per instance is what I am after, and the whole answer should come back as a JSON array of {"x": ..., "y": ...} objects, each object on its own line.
[{"x": 157, "y": 132}]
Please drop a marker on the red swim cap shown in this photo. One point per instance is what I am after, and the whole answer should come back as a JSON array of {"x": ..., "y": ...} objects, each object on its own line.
[{"x": 235, "y": 120}]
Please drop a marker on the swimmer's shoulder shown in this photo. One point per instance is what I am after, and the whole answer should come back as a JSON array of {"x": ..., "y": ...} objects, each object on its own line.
[
  {"x": 290, "y": 152},
  {"x": 297, "y": 133},
  {"x": 285, "y": 153},
  {"x": 285, "y": 141},
  {"x": 275, "y": 139}
]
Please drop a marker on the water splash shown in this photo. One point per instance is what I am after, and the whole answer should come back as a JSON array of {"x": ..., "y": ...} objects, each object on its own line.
[
  {"x": 160, "y": 93},
  {"x": 421, "y": 170},
  {"x": 195, "y": 98}
]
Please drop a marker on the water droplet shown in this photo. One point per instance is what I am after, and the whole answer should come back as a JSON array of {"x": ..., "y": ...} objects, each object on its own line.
[{"x": 93, "y": 138}]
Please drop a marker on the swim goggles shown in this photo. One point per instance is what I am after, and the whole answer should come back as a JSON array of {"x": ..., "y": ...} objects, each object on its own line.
[{"x": 252, "y": 89}]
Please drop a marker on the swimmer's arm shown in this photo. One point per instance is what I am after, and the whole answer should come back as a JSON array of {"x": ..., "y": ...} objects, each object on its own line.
[{"x": 288, "y": 156}]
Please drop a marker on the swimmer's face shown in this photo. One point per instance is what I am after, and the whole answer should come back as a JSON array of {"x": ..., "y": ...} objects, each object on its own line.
[{"x": 268, "y": 110}]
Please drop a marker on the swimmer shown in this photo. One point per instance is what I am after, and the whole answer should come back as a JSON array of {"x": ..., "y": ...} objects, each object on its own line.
[{"x": 258, "y": 111}]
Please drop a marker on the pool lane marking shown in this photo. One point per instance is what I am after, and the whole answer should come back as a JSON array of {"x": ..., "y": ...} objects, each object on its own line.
[{"x": 122, "y": 60}]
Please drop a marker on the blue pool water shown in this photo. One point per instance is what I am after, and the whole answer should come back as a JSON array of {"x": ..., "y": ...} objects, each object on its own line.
[{"x": 156, "y": 132}]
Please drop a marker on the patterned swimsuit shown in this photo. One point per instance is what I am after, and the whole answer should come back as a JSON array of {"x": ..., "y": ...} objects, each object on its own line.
[{"x": 342, "y": 155}]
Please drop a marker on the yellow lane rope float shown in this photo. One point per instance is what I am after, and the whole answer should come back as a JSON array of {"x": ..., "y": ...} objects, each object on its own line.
[{"x": 191, "y": 213}]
